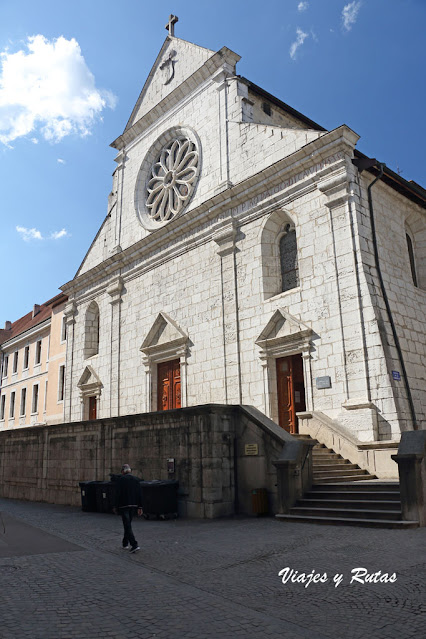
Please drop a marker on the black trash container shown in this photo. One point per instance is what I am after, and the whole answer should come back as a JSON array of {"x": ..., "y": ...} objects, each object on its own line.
[
  {"x": 116, "y": 477},
  {"x": 105, "y": 496},
  {"x": 88, "y": 496},
  {"x": 159, "y": 498}
]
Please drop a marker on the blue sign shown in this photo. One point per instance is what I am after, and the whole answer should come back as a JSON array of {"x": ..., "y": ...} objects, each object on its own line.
[{"x": 396, "y": 375}]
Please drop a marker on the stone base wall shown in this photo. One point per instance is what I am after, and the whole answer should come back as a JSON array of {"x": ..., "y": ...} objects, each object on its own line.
[{"x": 208, "y": 443}]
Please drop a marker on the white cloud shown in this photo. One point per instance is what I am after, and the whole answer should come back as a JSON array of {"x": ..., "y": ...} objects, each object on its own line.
[
  {"x": 35, "y": 234},
  {"x": 302, "y": 6},
  {"x": 48, "y": 89},
  {"x": 61, "y": 161},
  {"x": 29, "y": 234},
  {"x": 56, "y": 235},
  {"x": 301, "y": 37},
  {"x": 350, "y": 14}
]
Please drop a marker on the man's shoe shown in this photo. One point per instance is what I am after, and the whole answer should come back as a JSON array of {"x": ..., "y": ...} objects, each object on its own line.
[
  {"x": 125, "y": 547},
  {"x": 134, "y": 549}
]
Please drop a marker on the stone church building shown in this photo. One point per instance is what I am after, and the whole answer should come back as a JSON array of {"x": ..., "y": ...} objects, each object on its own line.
[{"x": 240, "y": 262}]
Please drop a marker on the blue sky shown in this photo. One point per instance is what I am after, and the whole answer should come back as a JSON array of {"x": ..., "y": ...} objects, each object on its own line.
[{"x": 71, "y": 73}]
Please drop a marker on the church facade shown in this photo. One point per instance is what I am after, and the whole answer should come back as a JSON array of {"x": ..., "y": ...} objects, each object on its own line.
[{"x": 239, "y": 263}]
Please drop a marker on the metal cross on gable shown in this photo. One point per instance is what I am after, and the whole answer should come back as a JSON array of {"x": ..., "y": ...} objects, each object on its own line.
[{"x": 170, "y": 26}]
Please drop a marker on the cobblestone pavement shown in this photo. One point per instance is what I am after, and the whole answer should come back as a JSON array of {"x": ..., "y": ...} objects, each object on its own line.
[{"x": 203, "y": 579}]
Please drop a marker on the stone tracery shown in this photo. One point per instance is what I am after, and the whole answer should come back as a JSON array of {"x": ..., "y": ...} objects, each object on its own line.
[{"x": 173, "y": 177}]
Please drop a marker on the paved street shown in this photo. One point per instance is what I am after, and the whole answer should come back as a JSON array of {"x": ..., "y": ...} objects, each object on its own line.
[{"x": 64, "y": 575}]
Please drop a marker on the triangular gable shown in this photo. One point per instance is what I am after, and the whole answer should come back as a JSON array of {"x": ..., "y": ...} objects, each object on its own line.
[
  {"x": 89, "y": 380},
  {"x": 164, "y": 334},
  {"x": 177, "y": 60},
  {"x": 282, "y": 327}
]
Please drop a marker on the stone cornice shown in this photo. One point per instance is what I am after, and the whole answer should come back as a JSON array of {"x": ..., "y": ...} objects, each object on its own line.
[
  {"x": 114, "y": 290},
  {"x": 243, "y": 201},
  {"x": 225, "y": 238}
]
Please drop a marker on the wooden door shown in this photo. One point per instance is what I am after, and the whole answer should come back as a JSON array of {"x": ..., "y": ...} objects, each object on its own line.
[
  {"x": 92, "y": 407},
  {"x": 291, "y": 391},
  {"x": 169, "y": 385}
]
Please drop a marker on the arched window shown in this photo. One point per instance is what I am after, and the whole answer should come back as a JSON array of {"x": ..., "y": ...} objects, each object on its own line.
[
  {"x": 91, "y": 334},
  {"x": 279, "y": 256},
  {"x": 288, "y": 259},
  {"x": 410, "y": 249}
]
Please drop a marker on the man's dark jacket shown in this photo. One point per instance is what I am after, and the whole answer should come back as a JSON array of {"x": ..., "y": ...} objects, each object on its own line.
[{"x": 128, "y": 492}]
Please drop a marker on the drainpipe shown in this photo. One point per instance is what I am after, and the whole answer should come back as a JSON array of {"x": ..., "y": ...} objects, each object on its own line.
[{"x": 361, "y": 164}]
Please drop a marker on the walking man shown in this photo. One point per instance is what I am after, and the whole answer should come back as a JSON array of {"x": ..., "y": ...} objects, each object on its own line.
[{"x": 128, "y": 499}]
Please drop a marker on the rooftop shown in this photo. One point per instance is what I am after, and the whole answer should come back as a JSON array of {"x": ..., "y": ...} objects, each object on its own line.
[{"x": 39, "y": 314}]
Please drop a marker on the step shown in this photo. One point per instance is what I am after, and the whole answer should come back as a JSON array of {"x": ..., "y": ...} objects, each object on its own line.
[
  {"x": 370, "y": 523},
  {"x": 328, "y": 459},
  {"x": 353, "y": 495},
  {"x": 334, "y": 466},
  {"x": 362, "y": 504},
  {"x": 373, "y": 485},
  {"x": 344, "y": 478},
  {"x": 338, "y": 475},
  {"x": 325, "y": 455},
  {"x": 350, "y": 513}
]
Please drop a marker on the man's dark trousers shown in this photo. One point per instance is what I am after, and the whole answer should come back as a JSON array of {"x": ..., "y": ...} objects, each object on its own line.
[{"x": 127, "y": 516}]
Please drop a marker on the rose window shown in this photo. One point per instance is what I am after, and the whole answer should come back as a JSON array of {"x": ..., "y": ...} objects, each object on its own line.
[{"x": 172, "y": 179}]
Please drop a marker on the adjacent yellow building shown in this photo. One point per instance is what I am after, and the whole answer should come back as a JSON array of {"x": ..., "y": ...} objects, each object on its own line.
[{"x": 33, "y": 351}]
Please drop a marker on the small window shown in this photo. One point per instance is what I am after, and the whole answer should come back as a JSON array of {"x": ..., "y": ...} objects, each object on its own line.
[
  {"x": 23, "y": 407},
  {"x": 61, "y": 387},
  {"x": 266, "y": 108},
  {"x": 288, "y": 259},
  {"x": 38, "y": 352},
  {"x": 26, "y": 357},
  {"x": 12, "y": 405},
  {"x": 64, "y": 329},
  {"x": 5, "y": 365},
  {"x": 2, "y": 407},
  {"x": 15, "y": 362},
  {"x": 412, "y": 260},
  {"x": 34, "y": 406}
]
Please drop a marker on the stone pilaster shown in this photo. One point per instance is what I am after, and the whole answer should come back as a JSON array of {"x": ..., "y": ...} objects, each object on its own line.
[
  {"x": 223, "y": 135},
  {"x": 115, "y": 290},
  {"x": 349, "y": 301},
  {"x": 70, "y": 311},
  {"x": 117, "y": 211},
  {"x": 225, "y": 240}
]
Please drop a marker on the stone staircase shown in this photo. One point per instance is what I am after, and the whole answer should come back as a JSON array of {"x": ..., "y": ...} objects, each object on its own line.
[
  {"x": 343, "y": 493},
  {"x": 329, "y": 467}
]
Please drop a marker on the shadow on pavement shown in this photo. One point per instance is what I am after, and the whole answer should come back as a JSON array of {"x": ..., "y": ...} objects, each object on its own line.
[{"x": 18, "y": 539}]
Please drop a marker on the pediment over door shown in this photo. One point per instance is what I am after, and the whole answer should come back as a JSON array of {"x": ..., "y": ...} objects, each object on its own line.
[
  {"x": 165, "y": 339},
  {"x": 284, "y": 334},
  {"x": 89, "y": 383}
]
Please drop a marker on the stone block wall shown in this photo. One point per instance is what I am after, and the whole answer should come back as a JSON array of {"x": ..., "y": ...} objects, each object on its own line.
[
  {"x": 395, "y": 216},
  {"x": 207, "y": 442}
]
